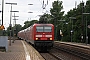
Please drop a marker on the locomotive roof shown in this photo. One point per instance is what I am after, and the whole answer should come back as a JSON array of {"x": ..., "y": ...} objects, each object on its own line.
[
  {"x": 43, "y": 24},
  {"x": 36, "y": 25}
]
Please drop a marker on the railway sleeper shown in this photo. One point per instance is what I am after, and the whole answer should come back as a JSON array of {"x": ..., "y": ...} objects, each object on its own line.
[{"x": 76, "y": 51}]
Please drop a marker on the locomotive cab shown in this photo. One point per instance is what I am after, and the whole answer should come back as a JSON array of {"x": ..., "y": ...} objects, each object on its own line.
[{"x": 44, "y": 36}]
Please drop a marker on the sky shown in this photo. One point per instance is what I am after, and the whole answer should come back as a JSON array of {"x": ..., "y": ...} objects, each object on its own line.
[{"x": 23, "y": 8}]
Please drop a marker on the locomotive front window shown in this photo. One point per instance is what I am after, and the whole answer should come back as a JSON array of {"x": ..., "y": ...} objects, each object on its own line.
[
  {"x": 47, "y": 29},
  {"x": 43, "y": 29},
  {"x": 39, "y": 29}
]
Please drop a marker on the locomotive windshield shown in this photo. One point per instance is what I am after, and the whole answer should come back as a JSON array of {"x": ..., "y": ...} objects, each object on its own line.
[{"x": 43, "y": 28}]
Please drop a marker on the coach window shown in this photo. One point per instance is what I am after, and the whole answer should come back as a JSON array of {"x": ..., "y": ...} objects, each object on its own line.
[{"x": 39, "y": 29}]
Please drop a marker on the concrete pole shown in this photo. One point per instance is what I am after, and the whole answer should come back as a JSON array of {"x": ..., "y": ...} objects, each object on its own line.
[{"x": 2, "y": 10}]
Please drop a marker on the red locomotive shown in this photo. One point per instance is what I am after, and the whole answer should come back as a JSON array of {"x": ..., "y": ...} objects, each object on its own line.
[{"x": 40, "y": 35}]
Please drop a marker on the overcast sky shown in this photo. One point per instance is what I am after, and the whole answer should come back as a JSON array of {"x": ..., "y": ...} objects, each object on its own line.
[{"x": 23, "y": 8}]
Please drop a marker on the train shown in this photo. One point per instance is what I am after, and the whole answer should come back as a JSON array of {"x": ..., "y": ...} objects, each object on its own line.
[{"x": 41, "y": 36}]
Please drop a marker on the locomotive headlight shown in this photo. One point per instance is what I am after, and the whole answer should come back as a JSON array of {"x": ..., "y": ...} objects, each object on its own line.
[
  {"x": 36, "y": 38},
  {"x": 50, "y": 38}
]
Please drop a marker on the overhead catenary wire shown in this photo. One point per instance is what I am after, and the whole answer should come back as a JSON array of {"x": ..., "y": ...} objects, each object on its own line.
[{"x": 44, "y": 4}]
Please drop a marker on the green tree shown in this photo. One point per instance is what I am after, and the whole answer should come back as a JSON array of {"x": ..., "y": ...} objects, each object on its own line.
[
  {"x": 29, "y": 23},
  {"x": 15, "y": 28},
  {"x": 78, "y": 24},
  {"x": 57, "y": 15},
  {"x": 8, "y": 31},
  {"x": 44, "y": 18}
]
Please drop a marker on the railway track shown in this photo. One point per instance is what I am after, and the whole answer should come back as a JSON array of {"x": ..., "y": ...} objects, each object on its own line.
[
  {"x": 79, "y": 51},
  {"x": 56, "y": 54},
  {"x": 50, "y": 56}
]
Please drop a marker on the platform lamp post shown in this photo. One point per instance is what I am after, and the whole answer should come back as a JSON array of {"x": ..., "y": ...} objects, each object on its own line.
[
  {"x": 14, "y": 30},
  {"x": 71, "y": 21},
  {"x": 0, "y": 20},
  {"x": 15, "y": 16},
  {"x": 30, "y": 12},
  {"x": 1, "y": 26},
  {"x": 30, "y": 4},
  {"x": 10, "y": 20},
  {"x": 62, "y": 24},
  {"x": 2, "y": 10},
  {"x": 86, "y": 26},
  {"x": 0, "y": 30},
  {"x": 62, "y": 28}
]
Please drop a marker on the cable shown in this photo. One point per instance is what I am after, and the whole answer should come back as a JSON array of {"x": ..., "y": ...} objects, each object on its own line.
[{"x": 40, "y": 2}]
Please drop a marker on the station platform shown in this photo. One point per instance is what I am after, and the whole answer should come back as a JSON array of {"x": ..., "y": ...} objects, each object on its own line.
[{"x": 19, "y": 50}]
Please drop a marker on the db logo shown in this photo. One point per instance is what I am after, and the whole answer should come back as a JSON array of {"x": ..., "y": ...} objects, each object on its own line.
[{"x": 43, "y": 35}]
